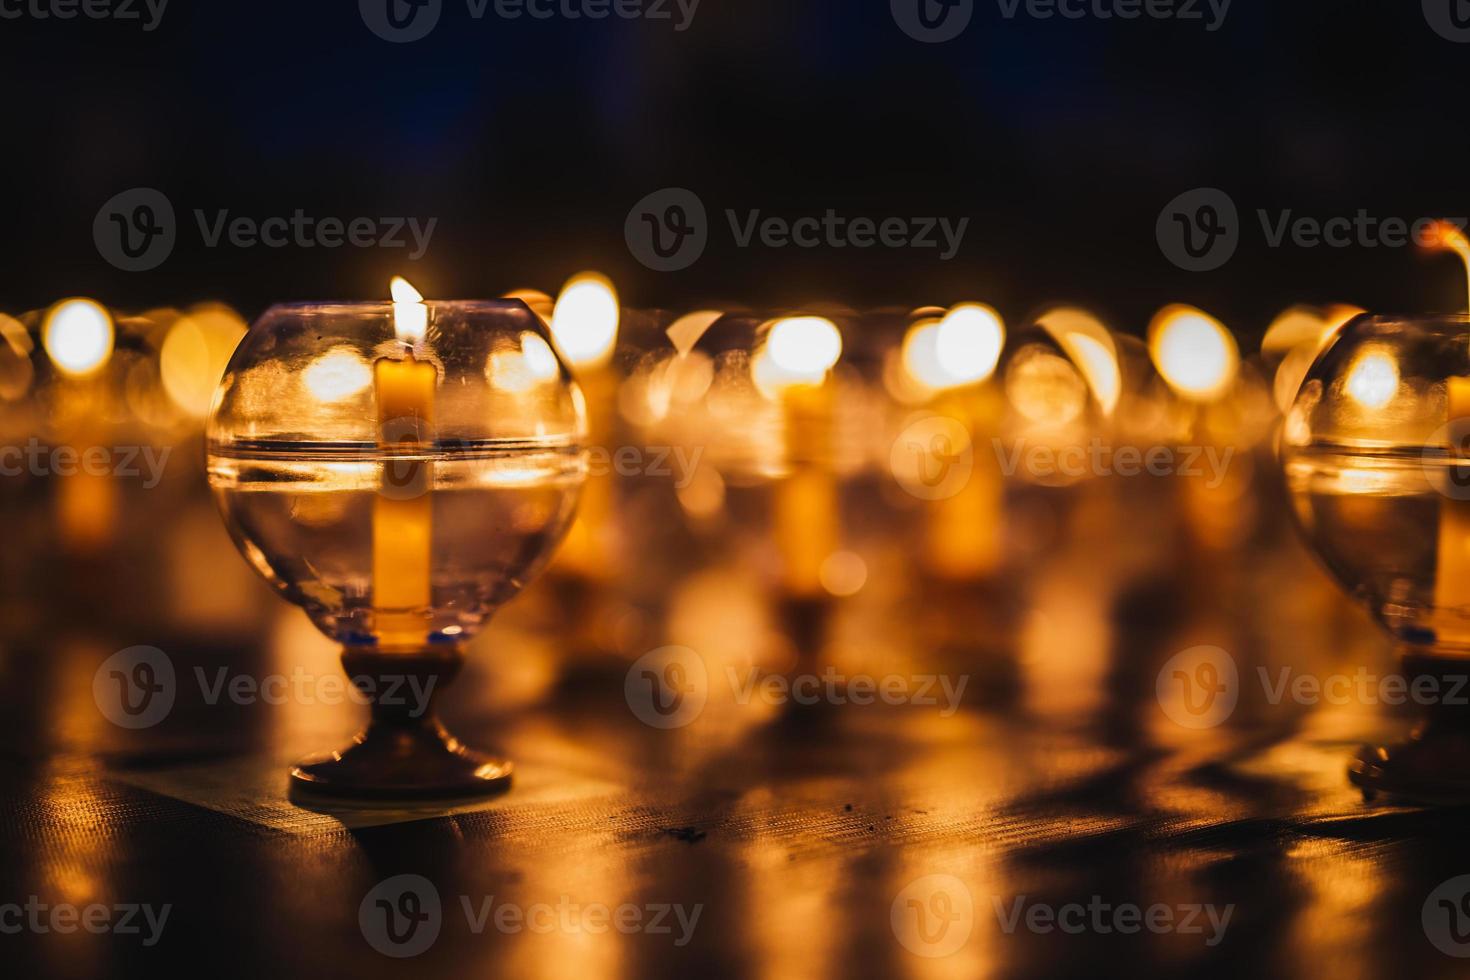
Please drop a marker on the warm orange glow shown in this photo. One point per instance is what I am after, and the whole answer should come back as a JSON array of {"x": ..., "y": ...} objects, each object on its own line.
[
  {"x": 685, "y": 332},
  {"x": 78, "y": 335},
  {"x": 1450, "y": 238},
  {"x": 1298, "y": 335},
  {"x": 540, "y": 303},
  {"x": 961, "y": 348},
  {"x": 1373, "y": 380},
  {"x": 1090, "y": 345},
  {"x": 410, "y": 315},
  {"x": 521, "y": 370},
  {"x": 805, "y": 346},
  {"x": 844, "y": 573},
  {"x": 920, "y": 357},
  {"x": 1193, "y": 352},
  {"x": 968, "y": 342},
  {"x": 337, "y": 375},
  {"x": 585, "y": 321},
  {"x": 195, "y": 354}
]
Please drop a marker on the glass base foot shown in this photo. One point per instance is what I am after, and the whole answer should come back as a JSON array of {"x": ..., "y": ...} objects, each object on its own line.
[
  {"x": 1432, "y": 767},
  {"x": 402, "y": 762}
]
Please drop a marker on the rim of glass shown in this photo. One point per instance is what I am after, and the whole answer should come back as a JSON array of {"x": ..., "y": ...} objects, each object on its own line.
[
  {"x": 1456, "y": 318},
  {"x": 384, "y": 307}
]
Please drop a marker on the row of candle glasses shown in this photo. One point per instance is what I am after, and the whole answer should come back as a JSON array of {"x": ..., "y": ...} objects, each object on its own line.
[{"x": 788, "y": 441}]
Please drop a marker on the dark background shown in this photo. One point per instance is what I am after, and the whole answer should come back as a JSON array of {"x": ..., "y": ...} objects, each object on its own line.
[{"x": 530, "y": 141}]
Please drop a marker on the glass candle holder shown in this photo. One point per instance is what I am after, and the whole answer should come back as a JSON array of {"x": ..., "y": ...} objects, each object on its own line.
[
  {"x": 398, "y": 470},
  {"x": 1376, "y": 450}
]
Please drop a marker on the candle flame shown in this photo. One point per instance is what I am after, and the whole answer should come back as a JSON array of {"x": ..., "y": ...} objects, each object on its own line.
[
  {"x": 961, "y": 348},
  {"x": 1373, "y": 379},
  {"x": 1449, "y": 237},
  {"x": 805, "y": 346},
  {"x": 78, "y": 336},
  {"x": 1193, "y": 352},
  {"x": 920, "y": 357},
  {"x": 410, "y": 315},
  {"x": 584, "y": 323}
]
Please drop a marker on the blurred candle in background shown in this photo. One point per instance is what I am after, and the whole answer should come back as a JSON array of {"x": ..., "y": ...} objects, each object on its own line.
[
  {"x": 403, "y": 514},
  {"x": 794, "y": 367},
  {"x": 584, "y": 326},
  {"x": 954, "y": 358},
  {"x": 78, "y": 335},
  {"x": 1452, "y": 571}
]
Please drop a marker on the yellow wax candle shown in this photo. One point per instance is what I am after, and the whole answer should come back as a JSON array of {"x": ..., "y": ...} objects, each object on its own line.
[
  {"x": 963, "y": 533},
  {"x": 585, "y": 551},
  {"x": 403, "y": 514},
  {"x": 806, "y": 509},
  {"x": 1452, "y": 576}
]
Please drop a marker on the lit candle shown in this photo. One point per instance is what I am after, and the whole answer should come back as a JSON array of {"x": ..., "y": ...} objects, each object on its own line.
[
  {"x": 403, "y": 513},
  {"x": 798, "y": 356},
  {"x": 584, "y": 325},
  {"x": 954, "y": 357},
  {"x": 1452, "y": 570},
  {"x": 78, "y": 336}
]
